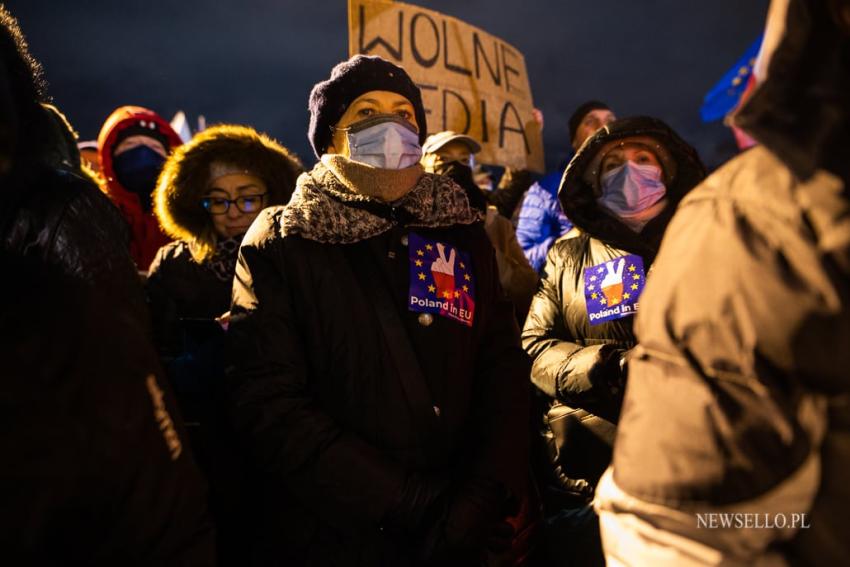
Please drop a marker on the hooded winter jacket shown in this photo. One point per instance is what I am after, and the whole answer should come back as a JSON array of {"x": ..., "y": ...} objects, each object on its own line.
[
  {"x": 180, "y": 285},
  {"x": 145, "y": 235},
  {"x": 319, "y": 392},
  {"x": 580, "y": 321},
  {"x": 738, "y": 395}
]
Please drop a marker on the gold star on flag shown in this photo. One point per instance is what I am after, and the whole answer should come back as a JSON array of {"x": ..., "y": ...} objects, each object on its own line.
[
  {"x": 594, "y": 295},
  {"x": 447, "y": 294},
  {"x": 632, "y": 268},
  {"x": 432, "y": 289},
  {"x": 626, "y": 295},
  {"x": 420, "y": 252},
  {"x": 457, "y": 293},
  {"x": 591, "y": 287},
  {"x": 462, "y": 266},
  {"x": 428, "y": 247},
  {"x": 636, "y": 277},
  {"x": 634, "y": 286},
  {"x": 421, "y": 276},
  {"x": 466, "y": 277},
  {"x": 603, "y": 301},
  {"x": 593, "y": 278},
  {"x": 466, "y": 288},
  {"x": 418, "y": 263}
]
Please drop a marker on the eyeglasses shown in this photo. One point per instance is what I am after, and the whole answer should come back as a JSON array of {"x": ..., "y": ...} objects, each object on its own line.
[{"x": 246, "y": 204}]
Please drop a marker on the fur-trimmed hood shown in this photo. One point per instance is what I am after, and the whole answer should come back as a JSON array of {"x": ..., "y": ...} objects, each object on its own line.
[
  {"x": 185, "y": 176},
  {"x": 324, "y": 210}
]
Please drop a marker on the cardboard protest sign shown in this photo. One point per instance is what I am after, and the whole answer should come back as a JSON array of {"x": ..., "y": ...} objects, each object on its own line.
[{"x": 472, "y": 82}]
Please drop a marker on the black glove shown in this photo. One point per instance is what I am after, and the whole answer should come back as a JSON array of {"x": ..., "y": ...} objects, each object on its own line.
[
  {"x": 473, "y": 523},
  {"x": 577, "y": 487},
  {"x": 611, "y": 369},
  {"x": 421, "y": 496}
]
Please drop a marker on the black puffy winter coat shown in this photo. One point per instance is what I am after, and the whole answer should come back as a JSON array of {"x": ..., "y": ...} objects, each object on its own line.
[
  {"x": 318, "y": 394},
  {"x": 577, "y": 350}
]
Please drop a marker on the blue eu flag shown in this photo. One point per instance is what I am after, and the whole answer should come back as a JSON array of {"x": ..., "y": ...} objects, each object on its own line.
[{"x": 725, "y": 95}]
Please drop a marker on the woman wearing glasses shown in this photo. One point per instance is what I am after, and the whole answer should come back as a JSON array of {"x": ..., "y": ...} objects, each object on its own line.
[{"x": 208, "y": 194}]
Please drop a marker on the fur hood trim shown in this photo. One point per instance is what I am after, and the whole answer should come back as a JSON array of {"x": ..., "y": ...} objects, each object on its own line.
[{"x": 185, "y": 176}]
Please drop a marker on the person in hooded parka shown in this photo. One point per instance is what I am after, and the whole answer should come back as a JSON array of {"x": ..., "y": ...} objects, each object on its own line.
[
  {"x": 210, "y": 191},
  {"x": 49, "y": 209},
  {"x": 620, "y": 189}
]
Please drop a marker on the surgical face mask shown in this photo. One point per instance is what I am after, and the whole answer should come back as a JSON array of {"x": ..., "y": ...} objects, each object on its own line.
[
  {"x": 385, "y": 141},
  {"x": 137, "y": 170},
  {"x": 632, "y": 188}
]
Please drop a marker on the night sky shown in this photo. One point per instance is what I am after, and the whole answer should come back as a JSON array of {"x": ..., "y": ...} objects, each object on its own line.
[{"x": 254, "y": 61}]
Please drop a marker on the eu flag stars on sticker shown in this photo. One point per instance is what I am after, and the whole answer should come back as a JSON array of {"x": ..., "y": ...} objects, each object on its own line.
[
  {"x": 612, "y": 289},
  {"x": 441, "y": 280}
]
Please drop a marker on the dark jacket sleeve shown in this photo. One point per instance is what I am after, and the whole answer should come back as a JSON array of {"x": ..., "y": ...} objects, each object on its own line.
[
  {"x": 332, "y": 470},
  {"x": 158, "y": 513},
  {"x": 163, "y": 307},
  {"x": 502, "y": 381},
  {"x": 561, "y": 367},
  {"x": 114, "y": 482}
]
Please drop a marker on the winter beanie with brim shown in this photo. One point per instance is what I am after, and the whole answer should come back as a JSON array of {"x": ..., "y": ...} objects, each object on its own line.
[{"x": 350, "y": 79}]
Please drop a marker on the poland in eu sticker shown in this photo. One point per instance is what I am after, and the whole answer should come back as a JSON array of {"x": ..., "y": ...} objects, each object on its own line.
[
  {"x": 612, "y": 289},
  {"x": 440, "y": 280}
]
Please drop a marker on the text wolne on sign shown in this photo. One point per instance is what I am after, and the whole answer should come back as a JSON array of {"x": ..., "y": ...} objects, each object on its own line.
[{"x": 472, "y": 82}]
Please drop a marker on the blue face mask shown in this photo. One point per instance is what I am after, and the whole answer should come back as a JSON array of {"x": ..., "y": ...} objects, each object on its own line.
[
  {"x": 137, "y": 170},
  {"x": 386, "y": 141},
  {"x": 631, "y": 189}
]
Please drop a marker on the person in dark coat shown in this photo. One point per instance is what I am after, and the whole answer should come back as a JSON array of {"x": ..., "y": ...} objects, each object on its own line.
[
  {"x": 621, "y": 190},
  {"x": 737, "y": 413},
  {"x": 376, "y": 372},
  {"x": 49, "y": 209},
  {"x": 94, "y": 468},
  {"x": 210, "y": 191}
]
